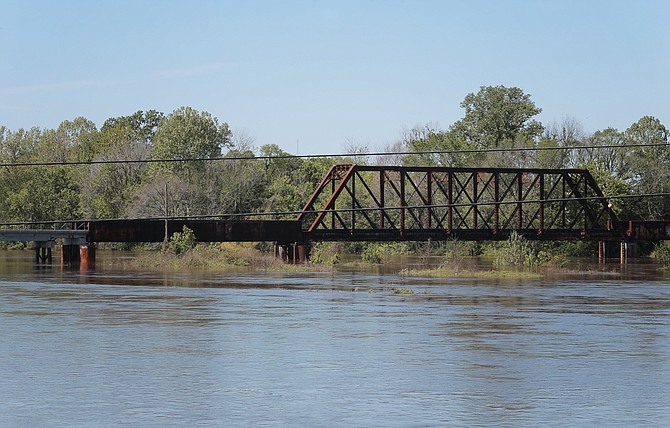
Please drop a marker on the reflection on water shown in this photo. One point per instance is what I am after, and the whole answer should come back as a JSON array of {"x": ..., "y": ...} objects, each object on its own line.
[{"x": 114, "y": 347}]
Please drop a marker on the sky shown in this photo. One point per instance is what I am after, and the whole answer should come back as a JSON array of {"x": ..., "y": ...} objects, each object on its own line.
[{"x": 318, "y": 77}]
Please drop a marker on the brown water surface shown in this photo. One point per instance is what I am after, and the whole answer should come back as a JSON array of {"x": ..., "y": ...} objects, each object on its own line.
[{"x": 349, "y": 348}]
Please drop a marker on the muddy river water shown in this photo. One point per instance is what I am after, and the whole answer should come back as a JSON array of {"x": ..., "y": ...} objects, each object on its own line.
[{"x": 112, "y": 347}]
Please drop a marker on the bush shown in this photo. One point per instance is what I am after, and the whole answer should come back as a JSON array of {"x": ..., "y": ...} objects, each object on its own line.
[
  {"x": 181, "y": 242},
  {"x": 377, "y": 253},
  {"x": 326, "y": 253},
  {"x": 662, "y": 252},
  {"x": 517, "y": 251},
  {"x": 455, "y": 250}
]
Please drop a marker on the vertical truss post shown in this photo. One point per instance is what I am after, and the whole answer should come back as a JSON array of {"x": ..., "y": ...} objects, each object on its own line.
[
  {"x": 564, "y": 203},
  {"x": 542, "y": 198},
  {"x": 403, "y": 202},
  {"x": 353, "y": 202},
  {"x": 519, "y": 197},
  {"x": 382, "y": 180},
  {"x": 450, "y": 203},
  {"x": 496, "y": 202},
  {"x": 332, "y": 192},
  {"x": 475, "y": 178},
  {"x": 428, "y": 223}
]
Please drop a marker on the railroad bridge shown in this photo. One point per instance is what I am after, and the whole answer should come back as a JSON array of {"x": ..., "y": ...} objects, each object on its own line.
[{"x": 396, "y": 203}]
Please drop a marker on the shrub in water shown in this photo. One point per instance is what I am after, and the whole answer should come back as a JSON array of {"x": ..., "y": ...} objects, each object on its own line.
[
  {"x": 662, "y": 253},
  {"x": 517, "y": 251},
  {"x": 326, "y": 253},
  {"x": 181, "y": 242}
]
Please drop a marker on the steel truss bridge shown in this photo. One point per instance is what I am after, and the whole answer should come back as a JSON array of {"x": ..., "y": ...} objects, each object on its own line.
[
  {"x": 387, "y": 203},
  {"x": 402, "y": 203}
]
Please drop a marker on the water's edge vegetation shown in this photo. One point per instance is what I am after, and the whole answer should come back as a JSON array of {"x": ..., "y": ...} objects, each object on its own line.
[{"x": 513, "y": 258}]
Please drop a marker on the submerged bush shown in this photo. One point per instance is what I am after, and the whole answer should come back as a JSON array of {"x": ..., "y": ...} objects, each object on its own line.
[
  {"x": 324, "y": 253},
  {"x": 662, "y": 252},
  {"x": 377, "y": 253},
  {"x": 517, "y": 251},
  {"x": 181, "y": 242}
]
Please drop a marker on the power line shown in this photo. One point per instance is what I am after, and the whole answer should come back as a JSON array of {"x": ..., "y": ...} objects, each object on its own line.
[{"x": 330, "y": 156}]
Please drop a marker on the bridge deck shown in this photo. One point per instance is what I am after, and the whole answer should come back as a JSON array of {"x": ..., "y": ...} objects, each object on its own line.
[
  {"x": 74, "y": 237},
  {"x": 283, "y": 231}
]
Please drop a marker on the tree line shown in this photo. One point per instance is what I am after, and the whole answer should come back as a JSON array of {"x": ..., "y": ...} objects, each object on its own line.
[{"x": 102, "y": 173}]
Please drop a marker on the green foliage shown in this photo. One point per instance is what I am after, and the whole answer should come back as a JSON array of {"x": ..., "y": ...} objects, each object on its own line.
[
  {"x": 574, "y": 249},
  {"x": 284, "y": 195},
  {"x": 188, "y": 134},
  {"x": 456, "y": 250},
  {"x": 327, "y": 253},
  {"x": 651, "y": 167},
  {"x": 518, "y": 252},
  {"x": 662, "y": 253},
  {"x": 243, "y": 183},
  {"x": 498, "y": 116},
  {"x": 18, "y": 146},
  {"x": 377, "y": 253},
  {"x": 139, "y": 127},
  {"x": 43, "y": 194},
  {"x": 181, "y": 242},
  {"x": 453, "y": 150}
]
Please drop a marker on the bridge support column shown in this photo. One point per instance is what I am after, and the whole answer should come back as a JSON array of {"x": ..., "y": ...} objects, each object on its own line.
[
  {"x": 607, "y": 250},
  {"x": 295, "y": 253},
  {"x": 43, "y": 251},
  {"x": 86, "y": 255},
  {"x": 69, "y": 254},
  {"x": 299, "y": 253}
]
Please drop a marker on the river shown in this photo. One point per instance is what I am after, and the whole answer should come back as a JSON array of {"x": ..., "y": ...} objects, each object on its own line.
[{"x": 112, "y": 347}]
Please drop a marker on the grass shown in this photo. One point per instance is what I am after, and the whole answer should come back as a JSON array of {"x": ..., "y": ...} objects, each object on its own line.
[
  {"x": 446, "y": 272},
  {"x": 232, "y": 257}
]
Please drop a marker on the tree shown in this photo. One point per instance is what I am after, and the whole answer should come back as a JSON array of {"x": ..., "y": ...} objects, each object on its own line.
[
  {"x": 244, "y": 183},
  {"x": 16, "y": 147},
  {"x": 47, "y": 193},
  {"x": 650, "y": 166},
  {"x": 72, "y": 141},
  {"x": 140, "y": 126},
  {"x": 188, "y": 134},
  {"x": 606, "y": 150},
  {"x": 559, "y": 136},
  {"x": 434, "y": 147},
  {"x": 109, "y": 189},
  {"x": 606, "y": 157},
  {"x": 498, "y": 116}
]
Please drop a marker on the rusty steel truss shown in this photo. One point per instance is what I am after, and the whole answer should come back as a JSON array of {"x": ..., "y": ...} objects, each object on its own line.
[{"x": 380, "y": 203}]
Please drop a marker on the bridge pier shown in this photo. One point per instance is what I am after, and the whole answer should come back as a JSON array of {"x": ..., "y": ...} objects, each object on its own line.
[
  {"x": 295, "y": 253},
  {"x": 77, "y": 254},
  {"x": 616, "y": 249},
  {"x": 628, "y": 250},
  {"x": 69, "y": 254},
  {"x": 43, "y": 251},
  {"x": 86, "y": 255}
]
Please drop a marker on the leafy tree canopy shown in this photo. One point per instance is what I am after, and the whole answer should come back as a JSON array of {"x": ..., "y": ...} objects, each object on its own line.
[
  {"x": 498, "y": 116},
  {"x": 189, "y": 134}
]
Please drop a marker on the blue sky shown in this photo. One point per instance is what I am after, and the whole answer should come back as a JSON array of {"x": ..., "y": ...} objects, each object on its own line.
[{"x": 317, "y": 76}]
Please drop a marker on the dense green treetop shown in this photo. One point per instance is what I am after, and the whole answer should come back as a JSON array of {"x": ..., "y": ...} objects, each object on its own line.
[
  {"x": 189, "y": 134},
  {"x": 498, "y": 116}
]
